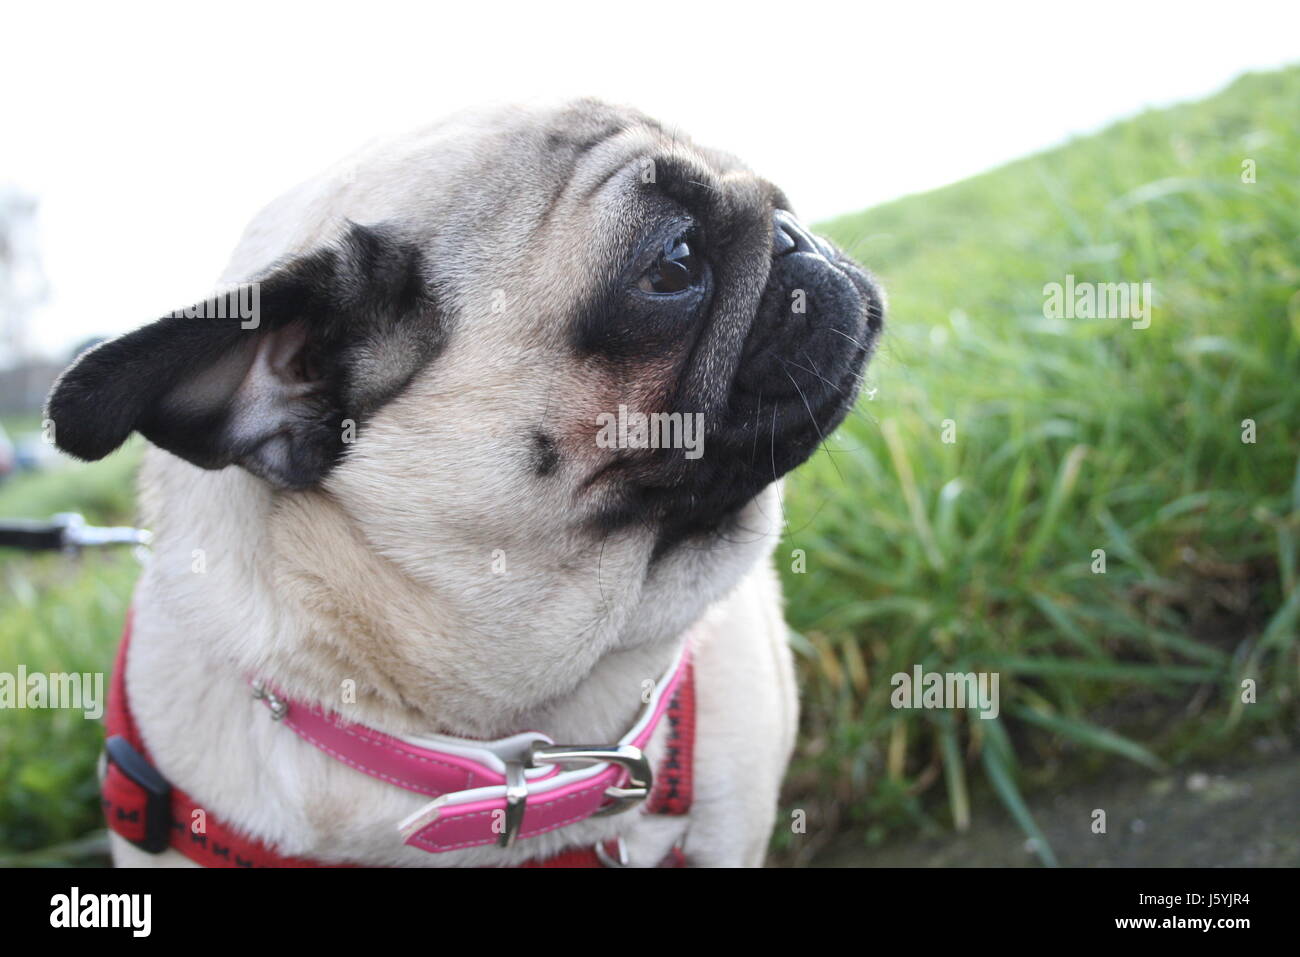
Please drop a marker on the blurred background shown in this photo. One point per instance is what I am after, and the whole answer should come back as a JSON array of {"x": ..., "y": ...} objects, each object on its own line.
[{"x": 970, "y": 156}]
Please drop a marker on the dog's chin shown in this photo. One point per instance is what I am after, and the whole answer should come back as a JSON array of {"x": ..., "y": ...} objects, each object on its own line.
[{"x": 798, "y": 375}]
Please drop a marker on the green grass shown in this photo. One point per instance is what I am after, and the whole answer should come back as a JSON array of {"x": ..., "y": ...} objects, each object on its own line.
[
  {"x": 975, "y": 555},
  {"x": 59, "y": 614},
  {"x": 1071, "y": 435}
]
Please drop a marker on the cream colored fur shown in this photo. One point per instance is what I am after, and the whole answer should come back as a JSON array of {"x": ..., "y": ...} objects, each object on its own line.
[{"x": 385, "y": 575}]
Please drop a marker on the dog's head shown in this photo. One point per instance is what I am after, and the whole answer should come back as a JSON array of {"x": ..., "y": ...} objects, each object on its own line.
[
  {"x": 612, "y": 286},
  {"x": 521, "y": 327}
]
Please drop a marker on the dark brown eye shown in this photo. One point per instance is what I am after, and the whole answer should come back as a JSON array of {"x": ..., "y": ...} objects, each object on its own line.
[{"x": 677, "y": 268}]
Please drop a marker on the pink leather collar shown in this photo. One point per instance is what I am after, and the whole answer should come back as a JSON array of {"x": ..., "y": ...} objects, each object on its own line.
[{"x": 491, "y": 792}]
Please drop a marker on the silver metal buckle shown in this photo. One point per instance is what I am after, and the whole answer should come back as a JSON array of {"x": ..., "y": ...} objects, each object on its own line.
[
  {"x": 640, "y": 779},
  {"x": 640, "y": 776}
]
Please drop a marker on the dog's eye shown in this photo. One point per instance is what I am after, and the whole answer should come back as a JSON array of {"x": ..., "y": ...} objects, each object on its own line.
[{"x": 677, "y": 267}]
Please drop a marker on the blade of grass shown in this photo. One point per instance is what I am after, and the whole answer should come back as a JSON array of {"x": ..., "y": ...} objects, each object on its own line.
[
  {"x": 998, "y": 763},
  {"x": 1090, "y": 735}
]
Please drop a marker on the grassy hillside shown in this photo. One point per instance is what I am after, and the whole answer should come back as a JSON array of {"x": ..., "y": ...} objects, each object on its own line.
[
  {"x": 1069, "y": 435},
  {"x": 59, "y": 614}
]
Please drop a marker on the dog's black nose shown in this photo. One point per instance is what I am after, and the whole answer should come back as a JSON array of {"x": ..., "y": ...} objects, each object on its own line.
[{"x": 790, "y": 237}]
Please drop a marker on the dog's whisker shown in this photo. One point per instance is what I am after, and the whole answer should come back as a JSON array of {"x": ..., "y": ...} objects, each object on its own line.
[
  {"x": 812, "y": 418},
  {"x": 851, "y": 409},
  {"x": 841, "y": 332}
]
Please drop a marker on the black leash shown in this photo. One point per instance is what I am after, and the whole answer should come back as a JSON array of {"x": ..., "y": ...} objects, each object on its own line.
[{"x": 67, "y": 532}]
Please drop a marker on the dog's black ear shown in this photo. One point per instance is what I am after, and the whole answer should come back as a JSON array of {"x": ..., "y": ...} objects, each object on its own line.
[{"x": 267, "y": 375}]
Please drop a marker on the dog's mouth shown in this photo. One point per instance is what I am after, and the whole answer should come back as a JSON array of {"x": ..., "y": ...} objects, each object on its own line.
[
  {"x": 794, "y": 371},
  {"x": 801, "y": 365}
]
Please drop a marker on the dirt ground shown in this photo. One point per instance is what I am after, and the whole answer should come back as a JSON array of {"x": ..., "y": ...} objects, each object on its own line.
[{"x": 1227, "y": 815}]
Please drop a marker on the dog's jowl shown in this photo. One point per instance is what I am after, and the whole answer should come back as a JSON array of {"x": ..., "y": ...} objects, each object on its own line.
[{"x": 490, "y": 475}]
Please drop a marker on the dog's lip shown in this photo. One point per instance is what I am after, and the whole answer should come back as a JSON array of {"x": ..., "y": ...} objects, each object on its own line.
[
  {"x": 862, "y": 281},
  {"x": 872, "y": 295},
  {"x": 618, "y": 463},
  {"x": 622, "y": 462}
]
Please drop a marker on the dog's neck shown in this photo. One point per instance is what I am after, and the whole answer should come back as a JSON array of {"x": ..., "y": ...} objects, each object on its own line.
[{"x": 295, "y": 593}]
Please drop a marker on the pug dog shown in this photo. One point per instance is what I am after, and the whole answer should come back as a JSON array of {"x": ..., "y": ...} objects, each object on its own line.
[{"x": 388, "y": 474}]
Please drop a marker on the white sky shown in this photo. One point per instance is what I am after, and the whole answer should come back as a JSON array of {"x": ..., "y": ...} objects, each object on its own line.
[{"x": 151, "y": 133}]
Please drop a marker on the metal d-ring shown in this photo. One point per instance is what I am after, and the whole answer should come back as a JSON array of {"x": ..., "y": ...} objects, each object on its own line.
[
  {"x": 277, "y": 705},
  {"x": 609, "y": 860}
]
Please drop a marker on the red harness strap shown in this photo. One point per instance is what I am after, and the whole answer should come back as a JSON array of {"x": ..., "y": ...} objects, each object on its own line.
[
  {"x": 672, "y": 787},
  {"x": 141, "y": 806}
]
